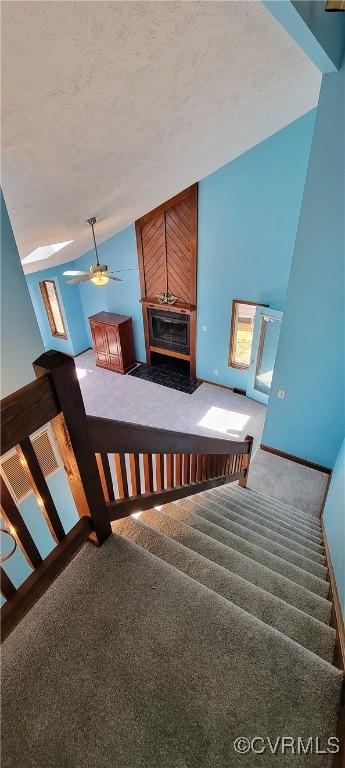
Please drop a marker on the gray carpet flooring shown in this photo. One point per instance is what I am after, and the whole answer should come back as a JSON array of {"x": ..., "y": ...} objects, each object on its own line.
[{"x": 190, "y": 627}]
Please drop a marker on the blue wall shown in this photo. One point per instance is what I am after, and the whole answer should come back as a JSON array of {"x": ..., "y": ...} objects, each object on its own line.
[
  {"x": 69, "y": 296},
  {"x": 20, "y": 337},
  {"x": 248, "y": 216},
  {"x": 334, "y": 521},
  {"x": 119, "y": 252},
  {"x": 321, "y": 35},
  {"x": 310, "y": 361}
]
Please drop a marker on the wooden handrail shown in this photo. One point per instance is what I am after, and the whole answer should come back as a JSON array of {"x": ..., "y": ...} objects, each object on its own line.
[
  {"x": 110, "y": 436},
  {"x": 26, "y": 410},
  {"x": 151, "y": 466}
]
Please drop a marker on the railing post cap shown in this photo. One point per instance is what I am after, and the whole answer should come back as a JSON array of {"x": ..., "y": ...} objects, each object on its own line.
[{"x": 53, "y": 359}]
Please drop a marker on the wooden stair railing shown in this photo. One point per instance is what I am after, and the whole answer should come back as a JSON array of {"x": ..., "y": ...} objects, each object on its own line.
[
  {"x": 142, "y": 466},
  {"x": 148, "y": 467}
]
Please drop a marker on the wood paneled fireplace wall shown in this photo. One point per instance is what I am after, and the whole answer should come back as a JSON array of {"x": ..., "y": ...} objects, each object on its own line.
[{"x": 167, "y": 256}]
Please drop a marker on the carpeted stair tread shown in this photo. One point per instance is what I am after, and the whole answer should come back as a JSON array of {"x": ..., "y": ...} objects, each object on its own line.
[
  {"x": 261, "y": 503},
  {"x": 258, "y": 525},
  {"x": 260, "y": 540},
  {"x": 310, "y": 516},
  {"x": 261, "y": 555},
  {"x": 270, "y": 516},
  {"x": 258, "y": 515},
  {"x": 295, "y": 624},
  {"x": 235, "y": 561},
  {"x": 125, "y": 660}
]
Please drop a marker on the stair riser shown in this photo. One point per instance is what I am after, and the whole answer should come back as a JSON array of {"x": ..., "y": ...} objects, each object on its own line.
[
  {"x": 233, "y": 511},
  {"x": 295, "y": 624},
  {"x": 308, "y": 517},
  {"x": 242, "y": 564},
  {"x": 277, "y": 564},
  {"x": 270, "y": 514},
  {"x": 293, "y": 518},
  {"x": 261, "y": 541}
]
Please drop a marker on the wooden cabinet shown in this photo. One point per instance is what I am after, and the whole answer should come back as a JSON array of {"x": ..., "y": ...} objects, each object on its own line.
[
  {"x": 167, "y": 245},
  {"x": 113, "y": 341}
]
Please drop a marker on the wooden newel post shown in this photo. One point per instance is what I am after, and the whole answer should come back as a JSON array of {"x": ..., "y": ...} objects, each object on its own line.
[
  {"x": 248, "y": 439},
  {"x": 71, "y": 432}
]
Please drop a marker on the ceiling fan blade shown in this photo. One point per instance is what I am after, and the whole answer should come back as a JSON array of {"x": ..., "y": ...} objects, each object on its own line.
[
  {"x": 131, "y": 269},
  {"x": 74, "y": 272},
  {"x": 80, "y": 279},
  {"x": 111, "y": 277}
]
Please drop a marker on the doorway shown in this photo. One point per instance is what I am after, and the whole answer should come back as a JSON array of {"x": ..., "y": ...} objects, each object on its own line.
[{"x": 267, "y": 325}]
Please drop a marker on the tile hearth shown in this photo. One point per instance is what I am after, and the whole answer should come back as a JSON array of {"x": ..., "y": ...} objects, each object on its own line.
[{"x": 167, "y": 375}]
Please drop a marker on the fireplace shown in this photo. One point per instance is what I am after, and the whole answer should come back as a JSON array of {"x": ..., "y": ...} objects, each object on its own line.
[{"x": 169, "y": 330}]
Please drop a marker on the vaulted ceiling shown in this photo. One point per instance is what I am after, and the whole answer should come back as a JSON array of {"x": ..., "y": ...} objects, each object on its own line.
[{"x": 109, "y": 108}]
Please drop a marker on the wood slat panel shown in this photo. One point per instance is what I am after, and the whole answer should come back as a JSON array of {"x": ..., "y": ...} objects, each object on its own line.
[
  {"x": 7, "y": 587},
  {"x": 40, "y": 488},
  {"x": 148, "y": 472},
  {"x": 134, "y": 466},
  {"x": 169, "y": 463},
  {"x": 36, "y": 584},
  {"x": 105, "y": 475},
  {"x": 18, "y": 527},
  {"x": 26, "y": 410},
  {"x": 159, "y": 471},
  {"x": 178, "y": 469},
  {"x": 121, "y": 475}
]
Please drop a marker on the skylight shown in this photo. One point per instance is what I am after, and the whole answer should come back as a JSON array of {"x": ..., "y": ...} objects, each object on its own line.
[{"x": 44, "y": 251}]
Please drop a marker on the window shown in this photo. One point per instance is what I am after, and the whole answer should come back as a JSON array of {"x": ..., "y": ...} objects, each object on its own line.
[
  {"x": 241, "y": 334},
  {"x": 53, "y": 309}
]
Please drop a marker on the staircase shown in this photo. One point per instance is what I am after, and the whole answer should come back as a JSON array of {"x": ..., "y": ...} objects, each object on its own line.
[
  {"x": 192, "y": 626},
  {"x": 202, "y": 617}
]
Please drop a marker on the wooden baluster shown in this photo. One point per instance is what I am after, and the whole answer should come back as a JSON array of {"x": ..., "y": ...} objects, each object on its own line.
[
  {"x": 121, "y": 475},
  {"x": 40, "y": 488},
  {"x": 105, "y": 475},
  {"x": 169, "y": 458},
  {"x": 243, "y": 481},
  {"x": 75, "y": 445},
  {"x": 186, "y": 468},
  {"x": 199, "y": 464},
  {"x": 134, "y": 467},
  {"x": 18, "y": 528},
  {"x": 159, "y": 471},
  {"x": 204, "y": 467},
  {"x": 178, "y": 468},
  {"x": 148, "y": 472},
  {"x": 193, "y": 467},
  {"x": 7, "y": 587}
]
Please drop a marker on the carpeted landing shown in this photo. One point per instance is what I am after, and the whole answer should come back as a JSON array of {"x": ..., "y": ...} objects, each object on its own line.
[{"x": 192, "y": 626}]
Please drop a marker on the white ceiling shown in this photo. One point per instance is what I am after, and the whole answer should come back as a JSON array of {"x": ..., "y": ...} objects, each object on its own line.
[{"x": 109, "y": 108}]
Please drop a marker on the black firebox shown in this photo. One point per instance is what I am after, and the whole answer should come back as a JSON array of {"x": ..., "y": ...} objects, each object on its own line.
[{"x": 169, "y": 330}]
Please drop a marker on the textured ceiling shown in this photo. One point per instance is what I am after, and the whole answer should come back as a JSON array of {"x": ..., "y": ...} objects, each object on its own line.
[{"x": 109, "y": 108}]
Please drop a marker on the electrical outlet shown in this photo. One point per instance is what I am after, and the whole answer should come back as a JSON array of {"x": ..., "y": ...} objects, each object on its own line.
[
  {"x": 281, "y": 394},
  {"x": 215, "y": 372},
  {"x": 204, "y": 328}
]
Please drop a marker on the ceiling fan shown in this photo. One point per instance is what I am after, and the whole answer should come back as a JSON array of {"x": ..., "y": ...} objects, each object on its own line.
[{"x": 98, "y": 273}]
